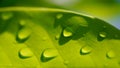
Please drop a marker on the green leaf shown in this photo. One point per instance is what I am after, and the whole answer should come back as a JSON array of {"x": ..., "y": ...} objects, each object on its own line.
[{"x": 55, "y": 38}]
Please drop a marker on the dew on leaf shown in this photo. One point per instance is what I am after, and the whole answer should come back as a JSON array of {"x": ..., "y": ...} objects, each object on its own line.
[
  {"x": 79, "y": 20},
  {"x": 58, "y": 16},
  {"x": 7, "y": 15},
  {"x": 67, "y": 32},
  {"x": 22, "y": 22},
  {"x": 66, "y": 62},
  {"x": 25, "y": 53},
  {"x": 57, "y": 37},
  {"x": 102, "y": 34},
  {"x": 48, "y": 54},
  {"x": 44, "y": 38},
  {"x": 85, "y": 50},
  {"x": 110, "y": 54},
  {"x": 23, "y": 34}
]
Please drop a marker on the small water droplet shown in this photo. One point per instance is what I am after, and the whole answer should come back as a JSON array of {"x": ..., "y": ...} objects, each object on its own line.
[
  {"x": 110, "y": 54},
  {"x": 85, "y": 50},
  {"x": 66, "y": 62},
  {"x": 44, "y": 38},
  {"x": 57, "y": 37},
  {"x": 22, "y": 22},
  {"x": 102, "y": 34},
  {"x": 48, "y": 54},
  {"x": 59, "y": 16},
  {"x": 25, "y": 53},
  {"x": 67, "y": 32},
  {"x": 7, "y": 15},
  {"x": 23, "y": 34}
]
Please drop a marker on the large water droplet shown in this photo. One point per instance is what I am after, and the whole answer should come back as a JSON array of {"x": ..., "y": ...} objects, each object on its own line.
[
  {"x": 25, "y": 53},
  {"x": 85, "y": 50},
  {"x": 48, "y": 54},
  {"x": 102, "y": 34},
  {"x": 6, "y": 15},
  {"x": 58, "y": 16},
  {"x": 23, "y": 34},
  {"x": 67, "y": 32},
  {"x": 110, "y": 54}
]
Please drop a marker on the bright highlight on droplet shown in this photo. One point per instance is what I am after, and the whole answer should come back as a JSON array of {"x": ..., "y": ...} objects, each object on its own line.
[
  {"x": 85, "y": 50},
  {"x": 25, "y": 53},
  {"x": 7, "y": 15},
  {"x": 102, "y": 34},
  {"x": 23, "y": 34},
  {"x": 67, "y": 32},
  {"x": 110, "y": 54},
  {"x": 49, "y": 54}
]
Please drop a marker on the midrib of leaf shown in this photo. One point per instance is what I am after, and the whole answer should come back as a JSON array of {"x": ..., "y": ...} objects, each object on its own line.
[{"x": 42, "y": 9}]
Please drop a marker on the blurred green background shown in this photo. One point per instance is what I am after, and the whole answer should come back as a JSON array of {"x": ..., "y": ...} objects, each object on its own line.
[{"x": 108, "y": 10}]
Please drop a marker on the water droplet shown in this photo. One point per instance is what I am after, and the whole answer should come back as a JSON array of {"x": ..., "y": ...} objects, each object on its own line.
[
  {"x": 7, "y": 15},
  {"x": 25, "y": 53},
  {"x": 110, "y": 54},
  {"x": 85, "y": 50},
  {"x": 23, "y": 34},
  {"x": 79, "y": 21},
  {"x": 66, "y": 62},
  {"x": 44, "y": 38},
  {"x": 67, "y": 32},
  {"x": 59, "y": 16},
  {"x": 102, "y": 34},
  {"x": 48, "y": 54},
  {"x": 57, "y": 37},
  {"x": 22, "y": 22}
]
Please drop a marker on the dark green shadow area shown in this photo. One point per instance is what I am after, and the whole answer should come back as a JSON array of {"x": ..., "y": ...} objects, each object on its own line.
[
  {"x": 79, "y": 33},
  {"x": 102, "y": 26},
  {"x": 63, "y": 40},
  {"x": 4, "y": 24},
  {"x": 62, "y": 20}
]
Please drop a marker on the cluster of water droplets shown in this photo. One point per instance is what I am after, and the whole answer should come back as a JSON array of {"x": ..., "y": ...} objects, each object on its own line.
[
  {"x": 85, "y": 49},
  {"x": 48, "y": 54}
]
